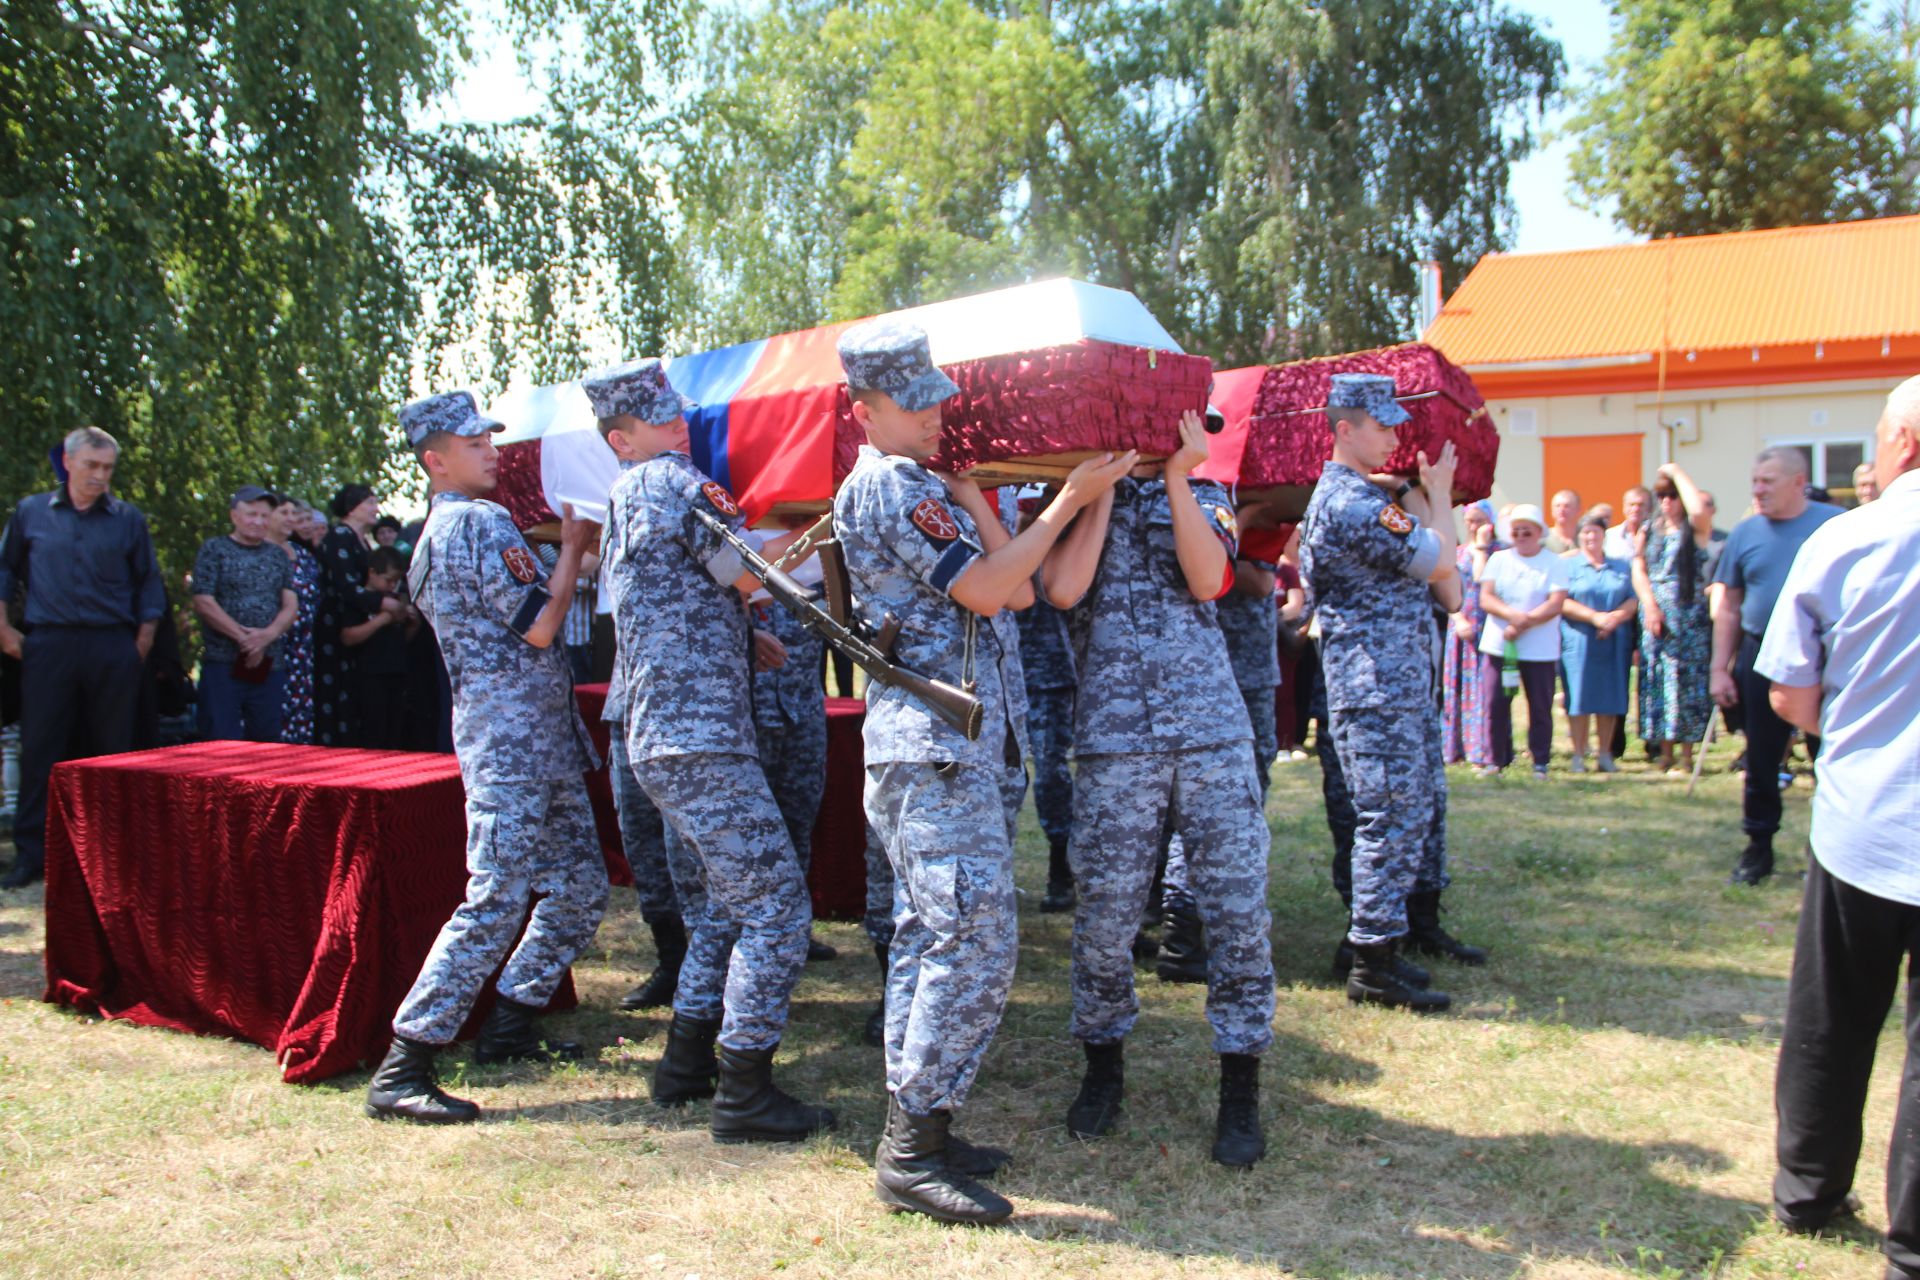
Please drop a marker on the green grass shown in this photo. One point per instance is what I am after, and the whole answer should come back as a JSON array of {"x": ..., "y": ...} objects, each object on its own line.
[{"x": 1599, "y": 1103}]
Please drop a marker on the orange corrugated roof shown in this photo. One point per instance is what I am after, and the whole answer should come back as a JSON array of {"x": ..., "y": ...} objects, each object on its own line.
[{"x": 1796, "y": 285}]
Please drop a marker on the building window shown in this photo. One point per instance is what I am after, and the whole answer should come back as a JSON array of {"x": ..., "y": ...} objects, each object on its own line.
[{"x": 1831, "y": 461}]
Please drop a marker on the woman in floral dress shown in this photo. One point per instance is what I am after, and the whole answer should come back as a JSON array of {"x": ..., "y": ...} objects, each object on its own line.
[
  {"x": 1463, "y": 719},
  {"x": 291, "y": 528},
  {"x": 1676, "y": 637}
]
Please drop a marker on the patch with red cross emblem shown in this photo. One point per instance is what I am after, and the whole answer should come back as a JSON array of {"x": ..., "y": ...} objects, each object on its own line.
[
  {"x": 521, "y": 564},
  {"x": 932, "y": 518},
  {"x": 722, "y": 500},
  {"x": 1394, "y": 520}
]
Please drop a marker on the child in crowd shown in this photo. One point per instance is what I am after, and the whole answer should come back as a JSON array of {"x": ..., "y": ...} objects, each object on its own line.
[{"x": 378, "y": 625}]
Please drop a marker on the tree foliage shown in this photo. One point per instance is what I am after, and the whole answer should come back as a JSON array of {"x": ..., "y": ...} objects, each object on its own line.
[
  {"x": 1263, "y": 173},
  {"x": 1729, "y": 115},
  {"x": 230, "y": 241}
]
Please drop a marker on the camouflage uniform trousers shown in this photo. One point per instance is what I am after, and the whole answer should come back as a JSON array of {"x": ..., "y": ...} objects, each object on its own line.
[
  {"x": 955, "y": 936},
  {"x": 523, "y": 838},
  {"x": 1120, "y": 807},
  {"x": 878, "y": 922},
  {"x": 1391, "y": 761},
  {"x": 793, "y": 753},
  {"x": 741, "y": 893},
  {"x": 644, "y": 835},
  {"x": 1050, "y": 730},
  {"x": 1175, "y": 892}
]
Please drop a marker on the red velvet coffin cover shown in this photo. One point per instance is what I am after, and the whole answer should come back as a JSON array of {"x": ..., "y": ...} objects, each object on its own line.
[
  {"x": 1286, "y": 447},
  {"x": 1088, "y": 395}
]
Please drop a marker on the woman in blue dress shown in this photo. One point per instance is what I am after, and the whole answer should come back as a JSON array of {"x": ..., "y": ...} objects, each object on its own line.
[
  {"x": 1676, "y": 640},
  {"x": 1596, "y": 644}
]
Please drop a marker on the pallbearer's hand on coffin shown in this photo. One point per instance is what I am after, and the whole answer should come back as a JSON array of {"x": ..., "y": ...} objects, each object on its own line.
[
  {"x": 577, "y": 532},
  {"x": 1194, "y": 448}
]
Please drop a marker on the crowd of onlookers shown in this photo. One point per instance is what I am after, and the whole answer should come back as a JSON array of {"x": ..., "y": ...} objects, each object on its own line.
[
  {"x": 1565, "y": 605},
  {"x": 307, "y": 634}
]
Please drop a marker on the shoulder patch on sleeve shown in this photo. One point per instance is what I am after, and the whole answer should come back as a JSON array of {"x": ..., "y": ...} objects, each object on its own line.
[
  {"x": 1394, "y": 520},
  {"x": 520, "y": 564},
  {"x": 722, "y": 500},
  {"x": 932, "y": 518},
  {"x": 1228, "y": 523}
]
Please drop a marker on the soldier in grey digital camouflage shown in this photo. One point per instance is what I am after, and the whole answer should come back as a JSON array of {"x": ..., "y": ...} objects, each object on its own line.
[
  {"x": 1368, "y": 562},
  {"x": 644, "y": 835},
  {"x": 1249, "y": 619},
  {"x": 930, "y": 551},
  {"x": 790, "y": 722},
  {"x": 675, "y": 587},
  {"x": 523, "y": 751},
  {"x": 1046, "y": 659},
  {"x": 1159, "y": 730}
]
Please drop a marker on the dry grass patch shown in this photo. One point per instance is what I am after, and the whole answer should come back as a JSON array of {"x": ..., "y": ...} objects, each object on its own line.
[{"x": 1599, "y": 1104}]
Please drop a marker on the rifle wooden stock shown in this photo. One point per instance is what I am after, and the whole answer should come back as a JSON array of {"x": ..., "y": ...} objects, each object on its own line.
[{"x": 955, "y": 706}]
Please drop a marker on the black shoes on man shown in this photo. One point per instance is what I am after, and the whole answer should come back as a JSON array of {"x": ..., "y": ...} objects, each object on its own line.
[
  {"x": 1183, "y": 946},
  {"x": 922, "y": 1168},
  {"x": 749, "y": 1107},
  {"x": 688, "y": 1068},
  {"x": 1238, "y": 1141},
  {"x": 24, "y": 871},
  {"x": 1425, "y": 935},
  {"x": 511, "y": 1033},
  {"x": 1756, "y": 862},
  {"x": 670, "y": 943},
  {"x": 404, "y": 1088},
  {"x": 1059, "y": 896},
  {"x": 1376, "y": 978}
]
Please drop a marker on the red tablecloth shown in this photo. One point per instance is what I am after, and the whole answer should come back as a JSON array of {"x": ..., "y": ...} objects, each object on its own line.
[
  {"x": 284, "y": 895},
  {"x": 838, "y": 879}
]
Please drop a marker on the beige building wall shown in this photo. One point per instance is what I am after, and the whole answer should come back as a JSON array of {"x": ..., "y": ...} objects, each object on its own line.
[{"x": 1715, "y": 434}]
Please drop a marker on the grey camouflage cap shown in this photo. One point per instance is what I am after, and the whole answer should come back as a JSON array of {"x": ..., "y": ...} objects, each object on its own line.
[
  {"x": 453, "y": 412},
  {"x": 892, "y": 356},
  {"x": 1370, "y": 391},
  {"x": 638, "y": 387}
]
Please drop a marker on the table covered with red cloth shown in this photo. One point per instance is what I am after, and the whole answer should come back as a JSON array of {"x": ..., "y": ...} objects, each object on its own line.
[
  {"x": 838, "y": 879},
  {"x": 284, "y": 895}
]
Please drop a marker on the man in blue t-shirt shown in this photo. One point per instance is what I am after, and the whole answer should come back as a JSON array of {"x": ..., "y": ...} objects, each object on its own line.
[{"x": 1752, "y": 566}]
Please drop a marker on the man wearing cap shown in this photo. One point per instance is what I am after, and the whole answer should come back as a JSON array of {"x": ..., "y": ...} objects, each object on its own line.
[
  {"x": 522, "y": 749},
  {"x": 929, "y": 550},
  {"x": 683, "y": 643},
  {"x": 243, "y": 595},
  {"x": 1368, "y": 560},
  {"x": 1162, "y": 740},
  {"x": 83, "y": 562}
]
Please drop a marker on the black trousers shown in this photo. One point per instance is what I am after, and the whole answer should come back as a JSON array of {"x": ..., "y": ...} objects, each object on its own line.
[
  {"x": 1846, "y": 965},
  {"x": 1768, "y": 737},
  {"x": 79, "y": 690}
]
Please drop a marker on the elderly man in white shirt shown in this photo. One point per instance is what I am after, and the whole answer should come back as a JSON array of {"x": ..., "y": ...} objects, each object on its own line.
[{"x": 1841, "y": 650}]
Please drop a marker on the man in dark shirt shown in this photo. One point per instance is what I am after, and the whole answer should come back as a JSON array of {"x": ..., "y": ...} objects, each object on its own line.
[
  {"x": 83, "y": 560},
  {"x": 1746, "y": 581},
  {"x": 243, "y": 594}
]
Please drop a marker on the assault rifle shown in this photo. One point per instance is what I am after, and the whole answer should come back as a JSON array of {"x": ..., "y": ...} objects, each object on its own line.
[{"x": 957, "y": 707}]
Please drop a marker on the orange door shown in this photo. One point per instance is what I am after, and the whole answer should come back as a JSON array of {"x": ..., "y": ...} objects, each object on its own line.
[{"x": 1598, "y": 468}]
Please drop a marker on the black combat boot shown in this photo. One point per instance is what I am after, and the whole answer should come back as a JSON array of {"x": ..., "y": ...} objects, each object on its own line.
[
  {"x": 1097, "y": 1106},
  {"x": 818, "y": 950},
  {"x": 912, "y": 1171},
  {"x": 1238, "y": 1141},
  {"x": 1183, "y": 946},
  {"x": 1410, "y": 973},
  {"x": 876, "y": 1032},
  {"x": 26, "y": 869},
  {"x": 1059, "y": 896},
  {"x": 1756, "y": 861},
  {"x": 1375, "y": 981},
  {"x": 670, "y": 944},
  {"x": 975, "y": 1161},
  {"x": 511, "y": 1033},
  {"x": 404, "y": 1088},
  {"x": 750, "y": 1107},
  {"x": 687, "y": 1068},
  {"x": 1425, "y": 935}
]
